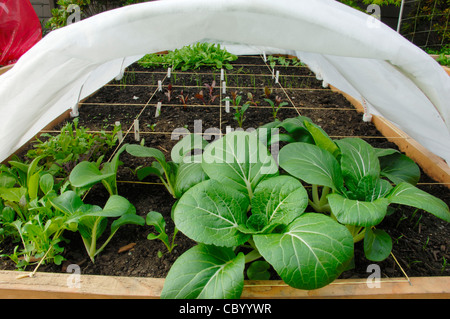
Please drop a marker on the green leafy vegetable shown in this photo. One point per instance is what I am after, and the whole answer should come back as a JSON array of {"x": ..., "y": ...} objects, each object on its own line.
[
  {"x": 259, "y": 270},
  {"x": 354, "y": 171},
  {"x": 71, "y": 146},
  {"x": 156, "y": 219},
  {"x": 246, "y": 204},
  {"x": 206, "y": 272},
  {"x": 209, "y": 222},
  {"x": 86, "y": 174},
  {"x": 26, "y": 213},
  {"x": 276, "y": 105},
  {"x": 239, "y": 110},
  {"x": 191, "y": 57},
  {"x": 312, "y": 250},
  {"x": 239, "y": 160},
  {"x": 92, "y": 220},
  {"x": 177, "y": 175}
]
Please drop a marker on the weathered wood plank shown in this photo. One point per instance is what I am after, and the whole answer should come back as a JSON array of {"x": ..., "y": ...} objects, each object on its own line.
[
  {"x": 389, "y": 288},
  {"x": 68, "y": 286},
  {"x": 63, "y": 286}
]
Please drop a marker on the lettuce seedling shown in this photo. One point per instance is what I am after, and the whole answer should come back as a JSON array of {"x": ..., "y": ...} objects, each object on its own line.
[
  {"x": 210, "y": 88},
  {"x": 201, "y": 97},
  {"x": 183, "y": 99},
  {"x": 72, "y": 145},
  {"x": 191, "y": 57},
  {"x": 26, "y": 212},
  {"x": 356, "y": 181},
  {"x": 251, "y": 100},
  {"x": 245, "y": 205},
  {"x": 169, "y": 92},
  {"x": 267, "y": 92}
]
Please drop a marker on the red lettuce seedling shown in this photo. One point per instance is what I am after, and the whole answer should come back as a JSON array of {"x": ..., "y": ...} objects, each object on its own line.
[
  {"x": 267, "y": 92},
  {"x": 211, "y": 87},
  {"x": 183, "y": 99},
  {"x": 169, "y": 92},
  {"x": 251, "y": 99},
  {"x": 201, "y": 97}
]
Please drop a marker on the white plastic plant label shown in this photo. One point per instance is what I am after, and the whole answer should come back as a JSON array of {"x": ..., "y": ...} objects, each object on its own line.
[
  {"x": 136, "y": 131},
  {"x": 119, "y": 133},
  {"x": 158, "y": 109}
]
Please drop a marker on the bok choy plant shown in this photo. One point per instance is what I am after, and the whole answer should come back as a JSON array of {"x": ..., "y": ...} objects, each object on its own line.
[
  {"x": 177, "y": 175},
  {"x": 91, "y": 220},
  {"x": 358, "y": 182},
  {"x": 86, "y": 174},
  {"x": 247, "y": 211}
]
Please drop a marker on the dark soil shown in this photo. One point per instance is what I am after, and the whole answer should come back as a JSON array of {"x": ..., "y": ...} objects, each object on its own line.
[{"x": 421, "y": 241}]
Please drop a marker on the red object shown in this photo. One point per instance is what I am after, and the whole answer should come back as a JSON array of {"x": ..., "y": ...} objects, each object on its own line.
[{"x": 20, "y": 29}]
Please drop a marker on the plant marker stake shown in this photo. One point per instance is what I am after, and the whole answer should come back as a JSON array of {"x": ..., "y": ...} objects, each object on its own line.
[
  {"x": 227, "y": 106},
  {"x": 119, "y": 133},
  {"x": 121, "y": 73},
  {"x": 159, "y": 85},
  {"x": 169, "y": 70},
  {"x": 265, "y": 57},
  {"x": 74, "y": 112},
  {"x": 228, "y": 129},
  {"x": 158, "y": 109},
  {"x": 224, "y": 87},
  {"x": 277, "y": 76},
  {"x": 367, "y": 117},
  {"x": 136, "y": 130},
  {"x": 222, "y": 75}
]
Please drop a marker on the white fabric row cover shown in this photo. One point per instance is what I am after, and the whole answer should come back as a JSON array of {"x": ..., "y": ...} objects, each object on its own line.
[{"x": 344, "y": 47}]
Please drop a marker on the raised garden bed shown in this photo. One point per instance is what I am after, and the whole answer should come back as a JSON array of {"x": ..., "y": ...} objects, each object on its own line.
[{"x": 422, "y": 242}]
